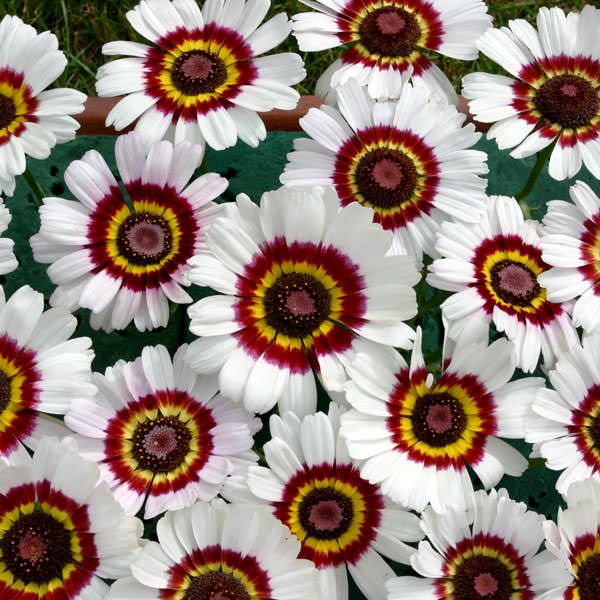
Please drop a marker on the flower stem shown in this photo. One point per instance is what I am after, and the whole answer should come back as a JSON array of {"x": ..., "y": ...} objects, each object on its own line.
[
  {"x": 34, "y": 186},
  {"x": 538, "y": 167}
]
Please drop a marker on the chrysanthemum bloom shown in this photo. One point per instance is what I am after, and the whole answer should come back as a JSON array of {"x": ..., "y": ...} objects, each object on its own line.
[
  {"x": 493, "y": 268},
  {"x": 409, "y": 161},
  {"x": 567, "y": 421},
  {"x": 576, "y": 542},
  {"x": 219, "y": 551},
  {"x": 41, "y": 369},
  {"x": 342, "y": 520},
  {"x": 160, "y": 434},
  {"x": 125, "y": 258},
  {"x": 304, "y": 285},
  {"x": 556, "y": 93},
  {"x": 386, "y": 39},
  {"x": 418, "y": 436},
  {"x": 571, "y": 245},
  {"x": 488, "y": 552},
  {"x": 203, "y": 80},
  {"x": 61, "y": 531},
  {"x": 8, "y": 260}
]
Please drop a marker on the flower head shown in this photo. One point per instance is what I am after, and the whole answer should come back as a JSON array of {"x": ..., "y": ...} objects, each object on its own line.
[
  {"x": 32, "y": 121},
  {"x": 125, "y": 260},
  {"x": 304, "y": 284},
  {"x": 554, "y": 91},
  {"x": 204, "y": 78},
  {"x": 160, "y": 434}
]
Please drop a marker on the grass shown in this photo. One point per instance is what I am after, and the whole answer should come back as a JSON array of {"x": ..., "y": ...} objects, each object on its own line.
[{"x": 82, "y": 26}]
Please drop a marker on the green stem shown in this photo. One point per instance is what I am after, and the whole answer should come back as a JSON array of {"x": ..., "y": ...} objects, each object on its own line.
[
  {"x": 537, "y": 463},
  {"x": 538, "y": 167},
  {"x": 34, "y": 186}
]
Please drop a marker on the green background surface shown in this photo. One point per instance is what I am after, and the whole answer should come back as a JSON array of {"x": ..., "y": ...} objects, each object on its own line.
[{"x": 254, "y": 171}]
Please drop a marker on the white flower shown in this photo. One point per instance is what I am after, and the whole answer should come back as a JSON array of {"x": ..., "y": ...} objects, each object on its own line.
[
  {"x": 8, "y": 260},
  {"x": 32, "y": 121},
  {"x": 203, "y": 79}
]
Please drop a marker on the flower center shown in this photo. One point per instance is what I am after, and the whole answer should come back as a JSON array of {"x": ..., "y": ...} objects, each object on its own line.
[
  {"x": 216, "y": 585},
  {"x": 390, "y": 32},
  {"x": 144, "y": 239},
  {"x": 36, "y": 548},
  {"x": 296, "y": 304},
  {"x": 8, "y": 111},
  {"x": 198, "y": 72},
  {"x": 588, "y": 578},
  {"x": 160, "y": 445},
  {"x": 5, "y": 391},
  {"x": 326, "y": 513},
  {"x": 386, "y": 178},
  {"x": 438, "y": 419},
  {"x": 514, "y": 283},
  {"x": 481, "y": 576},
  {"x": 569, "y": 100}
]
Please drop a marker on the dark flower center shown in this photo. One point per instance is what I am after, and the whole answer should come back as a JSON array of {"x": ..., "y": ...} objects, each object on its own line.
[
  {"x": 216, "y": 585},
  {"x": 390, "y": 32},
  {"x": 8, "y": 111},
  {"x": 160, "y": 445},
  {"x": 588, "y": 578},
  {"x": 438, "y": 419},
  {"x": 326, "y": 513},
  {"x": 569, "y": 100},
  {"x": 514, "y": 283},
  {"x": 198, "y": 72},
  {"x": 386, "y": 178},
  {"x": 36, "y": 548},
  {"x": 5, "y": 391},
  {"x": 296, "y": 304},
  {"x": 484, "y": 577},
  {"x": 144, "y": 239}
]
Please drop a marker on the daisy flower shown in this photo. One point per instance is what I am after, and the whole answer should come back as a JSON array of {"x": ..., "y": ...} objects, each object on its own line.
[
  {"x": 571, "y": 246},
  {"x": 493, "y": 268},
  {"x": 218, "y": 551},
  {"x": 32, "y": 121},
  {"x": 61, "y": 531},
  {"x": 343, "y": 521},
  {"x": 123, "y": 257},
  {"x": 554, "y": 91},
  {"x": 8, "y": 260},
  {"x": 488, "y": 552},
  {"x": 576, "y": 542},
  {"x": 160, "y": 434},
  {"x": 203, "y": 79},
  {"x": 386, "y": 40},
  {"x": 566, "y": 423},
  {"x": 409, "y": 161},
  {"x": 303, "y": 285},
  {"x": 417, "y": 436},
  {"x": 41, "y": 369}
]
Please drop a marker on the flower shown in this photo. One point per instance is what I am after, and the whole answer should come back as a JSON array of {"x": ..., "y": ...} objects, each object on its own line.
[
  {"x": 571, "y": 245},
  {"x": 566, "y": 423},
  {"x": 576, "y": 541},
  {"x": 489, "y": 551},
  {"x": 61, "y": 531},
  {"x": 493, "y": 268},
  {"x": 160, "y": 434},
  {"x": 341, "y": 519},
  {"x": 303, "y": 286},
  {"x": 41, "y": 370},
  {"x": 124, "y": 260},
  {"x": 8, "y": 260},
  {"x": 409, "y": 161},
  {"x": 203, "y": 79},
  {"x": 556, "y": 93},
  {"x": 387, "y": 39},
  {"x": 219, "y": 551},
  {"x": 418, "y": 436},
  {"x": 32, "y": 121}
]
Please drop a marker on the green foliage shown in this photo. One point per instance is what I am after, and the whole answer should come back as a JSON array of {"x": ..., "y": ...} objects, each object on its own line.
[{"x": 82, "y": 26}]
